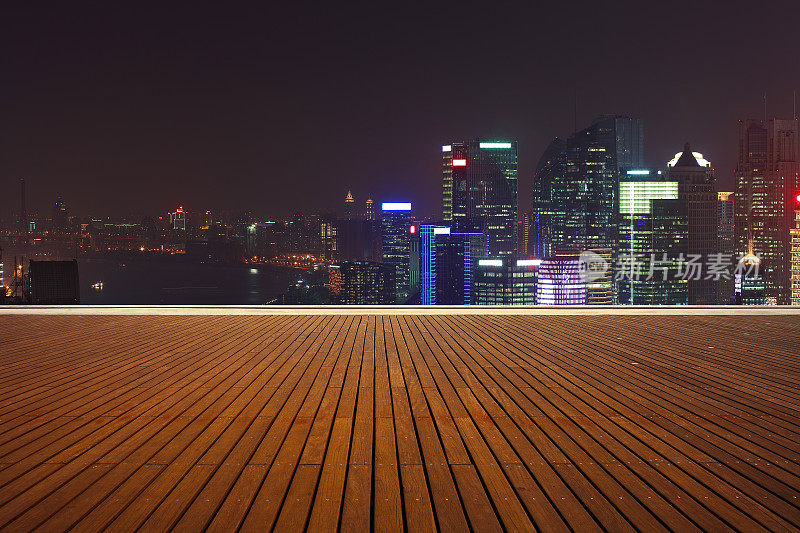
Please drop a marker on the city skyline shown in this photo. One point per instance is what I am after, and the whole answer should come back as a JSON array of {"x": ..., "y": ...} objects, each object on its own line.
[{"x": 231, "y": 110}]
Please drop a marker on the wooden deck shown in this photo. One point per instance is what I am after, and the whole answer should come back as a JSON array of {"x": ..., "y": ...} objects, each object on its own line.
[{"x": 389, "y": 422}]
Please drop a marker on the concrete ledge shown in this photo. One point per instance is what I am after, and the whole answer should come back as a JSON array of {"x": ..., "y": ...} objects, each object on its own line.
[{"x": 392, "y": 310}]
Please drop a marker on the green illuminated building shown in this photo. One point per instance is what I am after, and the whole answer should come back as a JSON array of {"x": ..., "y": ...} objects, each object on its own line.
[{"x": 653, "y": 233}]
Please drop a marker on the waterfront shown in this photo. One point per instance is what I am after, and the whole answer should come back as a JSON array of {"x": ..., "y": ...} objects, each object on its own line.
[{"x": 174, "y": 283}]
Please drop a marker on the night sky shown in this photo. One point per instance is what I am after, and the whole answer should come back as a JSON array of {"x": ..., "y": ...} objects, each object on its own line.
[{"x": 285, "y": 106}]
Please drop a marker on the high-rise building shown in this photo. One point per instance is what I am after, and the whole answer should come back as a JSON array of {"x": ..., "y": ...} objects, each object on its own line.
[
  {"x": 369, "y": 210},
  {"x": 551, "y": 168},
  {"x": 652, "y": 240},
  {"x": 795, "y": 253},
  {"x": 396, "y": 224},
  {"x": 177, "y": 219},
  {"x": 446, "y": 265},
  {"x": 349, "y": 206},
  {"x": 725, "y": 242},
  {"x": 362, "y": 283},
  {"x": 480, "y": 191},
  {"x": 524, "y": 234},
  {"x": 582, "y": 198},
  {"x": 697, "y": 189},
  {"x": 767, "y": 178},
  {"x": 328, "y": 235},
  {"x": 561, "y": 281},
  {"x": 505, "y": 281}
]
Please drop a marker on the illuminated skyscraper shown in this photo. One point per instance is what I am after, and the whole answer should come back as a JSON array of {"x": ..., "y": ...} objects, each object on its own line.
[
  {"x": 349, "y": 206},
  {"x": 767, "y": 179},
  {"x": 582, "y": 198},
  {"x": 697, "y": 189},
  {"x": 446, "y": 266},
  {"x": 480, "y": 191},
  {"x": 749, "y": 286},
  {"x": 396, "y": 224},
  {"x": 177, "y": 220},
  {"x": 551, "y": 168},
  {"x": 725, "y": 242},
  {"x": 795, "y": 253},
  {"x": 652, "y": 239},
  {"x": 369, "y": 210}
]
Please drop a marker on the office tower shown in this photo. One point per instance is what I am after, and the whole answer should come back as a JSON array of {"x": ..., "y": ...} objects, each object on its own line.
[
  {"x": 749, "y": 285},
  {"x": 177, "y": 219},
  {"x": 561, "y": 281},
  {"x": 349, "y": 206},
  {"x": 795, "y": 254},
  {"x": 551, "y": 167},
  {"x": 414, "y": 261},
  {"x": 505, "y": 281},
  {"x": 396, "y": 224},
  {"x": 480, "y": 191},
  {"x": 652, "y": 240},
  {"x": 725, "y": 242},
  {"x": 697, "y": 189},
  {"x": 524, "y": 234},
  {"x": 446, "y": 265},
  {"x": 767, "y": 179},
  {"x": 369, "y": 210},
  {"x": 583, "y": 197},
  {"x": 2, "y": 284},
  {"x": 329, "y": 242},
  {"x": 362, "y": 283}
]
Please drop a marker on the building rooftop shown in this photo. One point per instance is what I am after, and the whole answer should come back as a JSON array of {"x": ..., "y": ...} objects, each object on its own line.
[{"x": 195, "y": 420}]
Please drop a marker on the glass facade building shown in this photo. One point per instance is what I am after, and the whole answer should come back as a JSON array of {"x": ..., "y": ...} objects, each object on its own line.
[
  {"x": 767, "y": 179},
  {"x": 697, "y": 190},
  {"x": 505, "y": 281},
  {"x": 480, "y": 191},
  {"x": 446, "y": 266},
  {"x": 726, "y": 243},
  {"x": 653, "y": 231},
  {"x": 396, "y": 224}
]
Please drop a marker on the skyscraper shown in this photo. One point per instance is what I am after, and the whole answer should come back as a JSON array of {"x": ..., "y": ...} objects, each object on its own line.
[
  {"x": 697, "y": 189},
  {"x": 446, "y": 266},
  {"x": 795, "y": 253},
  {"x": 551, "y": 166},
  {"x": 369, "y": 210},
  {"x": 767, "y": 179},
  {"x": 582, "y": 209},
  {"x": 396, "y": 224},
  {"x": 652, "y": 239},
  {"x": 349, "y": 206},
  {"x": 480, "y": 191},
  {"x": 725, "y": 242}
]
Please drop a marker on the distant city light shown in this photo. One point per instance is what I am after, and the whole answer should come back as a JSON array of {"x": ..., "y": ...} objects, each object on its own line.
[
  {"x": 703, "y": 162},
  {"x": 490, "y": 262},
  {"x": 446, "y": 148},
  {"x": 459, "y": 162},
  {"x": 528, "y": 262},
  {"x": 638, "y": 172},
  {"x": 495, "y": 145},
  {"x": 441, "y": 231},
  {"x": 396, "y": 206},
  {"x": 412, "y": 229}
]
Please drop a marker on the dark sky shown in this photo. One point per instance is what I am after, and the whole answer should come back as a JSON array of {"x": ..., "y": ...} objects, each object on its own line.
[{"x": 285, "y": 106}]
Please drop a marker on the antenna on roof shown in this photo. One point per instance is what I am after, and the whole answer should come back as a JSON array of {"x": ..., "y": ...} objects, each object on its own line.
[
  {"x": 765, "y": 107},
  {"x": 575, "y": 114},
  {"x": 794, "y": 104}
]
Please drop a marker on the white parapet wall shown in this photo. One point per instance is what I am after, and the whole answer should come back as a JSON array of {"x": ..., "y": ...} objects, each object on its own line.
[{"x": 391, "y": 310}]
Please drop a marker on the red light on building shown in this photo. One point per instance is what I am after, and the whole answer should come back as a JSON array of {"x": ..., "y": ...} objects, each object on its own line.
[
  {"x": 459, "y": 162},
  {"x": 797, "y": 199},
  {"x": 412, "y": 229}
]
